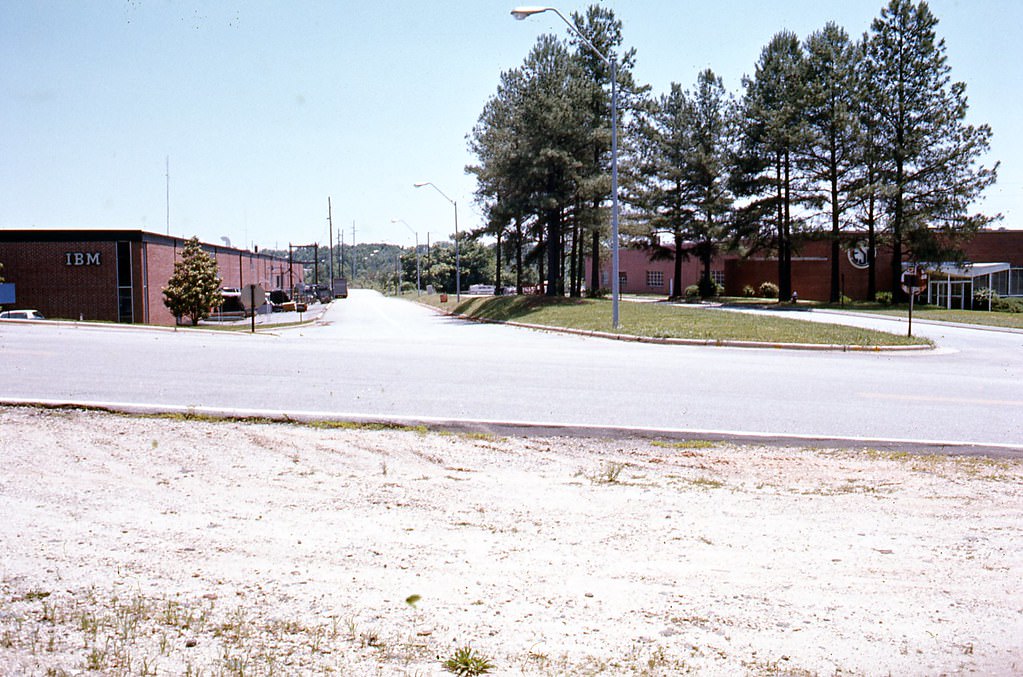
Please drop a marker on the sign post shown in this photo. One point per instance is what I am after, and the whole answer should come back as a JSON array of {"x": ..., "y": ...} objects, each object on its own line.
[
  {"x": 253, "y": 296},
  {"x": 914, "y": 281}
]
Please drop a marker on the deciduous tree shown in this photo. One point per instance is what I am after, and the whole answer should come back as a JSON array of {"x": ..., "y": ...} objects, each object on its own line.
[{"x": 194, "y": 288}]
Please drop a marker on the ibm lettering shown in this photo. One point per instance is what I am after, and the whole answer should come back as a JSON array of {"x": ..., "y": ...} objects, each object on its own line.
[{"x": 81, "y": 258}]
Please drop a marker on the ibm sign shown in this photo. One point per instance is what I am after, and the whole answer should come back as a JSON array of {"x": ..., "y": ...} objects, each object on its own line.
[{"x": 81, "y": 258}]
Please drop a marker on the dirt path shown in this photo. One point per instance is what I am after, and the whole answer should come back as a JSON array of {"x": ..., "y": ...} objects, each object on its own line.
[{"x": 151, "y": 546}]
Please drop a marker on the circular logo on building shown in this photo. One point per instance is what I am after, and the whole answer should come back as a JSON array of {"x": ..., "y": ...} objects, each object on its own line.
[{"x": 858, "y": 256}]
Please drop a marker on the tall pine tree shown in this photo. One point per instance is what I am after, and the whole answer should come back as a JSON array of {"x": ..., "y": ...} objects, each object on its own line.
[
  {"x": 930, "y": 176},
  {"x": 830, "y": 158},
  {"x": 772, "y": 130}
]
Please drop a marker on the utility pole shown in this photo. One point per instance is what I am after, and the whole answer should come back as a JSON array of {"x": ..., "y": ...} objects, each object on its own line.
[
  {"x": 330, "y": 241},
  {"x": 168, "y": 194},
  {"x": 353, "y": 250}
]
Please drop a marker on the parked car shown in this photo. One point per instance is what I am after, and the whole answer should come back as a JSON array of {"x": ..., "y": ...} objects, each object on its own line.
[{"x": 21, "y": 315}]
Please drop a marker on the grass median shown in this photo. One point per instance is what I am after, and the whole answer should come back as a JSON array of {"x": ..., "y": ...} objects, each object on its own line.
[{"x": 661, "y": 320}]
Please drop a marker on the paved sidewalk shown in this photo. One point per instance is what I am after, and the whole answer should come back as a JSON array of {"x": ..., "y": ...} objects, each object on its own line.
[{"x": 314, "y": 312}]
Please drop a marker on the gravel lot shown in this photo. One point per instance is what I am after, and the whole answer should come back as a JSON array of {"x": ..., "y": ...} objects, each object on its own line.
[{"x": 147, "y": 546}]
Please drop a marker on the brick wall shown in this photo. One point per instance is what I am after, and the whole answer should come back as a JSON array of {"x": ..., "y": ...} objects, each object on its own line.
[
  {"x": 811, "y": 273},
  {"x": 78, "y": 279},
  {"x": 85, "y": 289},
  {"x": 637, "y": 266},
  {"x": 996, "y": 246}
]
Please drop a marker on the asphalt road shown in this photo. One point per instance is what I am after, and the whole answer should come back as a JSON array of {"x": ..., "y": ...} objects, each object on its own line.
[{"x": 375, "y": 357}]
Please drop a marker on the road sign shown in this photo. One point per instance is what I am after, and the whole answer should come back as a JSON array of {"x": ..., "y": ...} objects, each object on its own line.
[
  {"x": 253, "y": 296},
  {"x": 914, "y": 281}
]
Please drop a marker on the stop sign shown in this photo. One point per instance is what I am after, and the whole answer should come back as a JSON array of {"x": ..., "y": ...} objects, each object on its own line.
[{"x": 914, "y": 281}]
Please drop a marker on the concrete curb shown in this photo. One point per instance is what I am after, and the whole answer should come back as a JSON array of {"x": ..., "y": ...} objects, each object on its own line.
[
  {"x": 719, "y": 343},
  {"x": 534, "y": 428},
  {"x": 220, "y": 328}
]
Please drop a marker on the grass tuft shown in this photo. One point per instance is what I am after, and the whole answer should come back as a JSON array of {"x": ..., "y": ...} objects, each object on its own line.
[{"x": 466, "y": 662}]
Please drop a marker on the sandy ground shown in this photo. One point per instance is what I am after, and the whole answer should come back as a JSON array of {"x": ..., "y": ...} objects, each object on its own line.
[{"x": 153, "y": 546}]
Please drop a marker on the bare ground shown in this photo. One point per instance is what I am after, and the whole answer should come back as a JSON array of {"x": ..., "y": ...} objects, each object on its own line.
[{"x": 159, "y": 546}]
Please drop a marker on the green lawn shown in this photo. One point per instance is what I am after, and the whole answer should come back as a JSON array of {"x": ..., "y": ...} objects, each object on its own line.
[{"x": 665, "y": 321}]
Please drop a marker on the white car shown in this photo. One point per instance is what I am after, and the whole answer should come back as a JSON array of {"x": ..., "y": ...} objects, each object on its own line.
[{"x": 21, "y": 315}]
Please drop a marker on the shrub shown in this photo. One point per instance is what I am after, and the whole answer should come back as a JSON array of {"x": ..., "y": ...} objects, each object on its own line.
[
  {"x": 1011, "y": 305},
  {"x": 749, "y": 292},
  {"x": 692, "y": 293},
  {"x": 599, "y": 293},
  {"x": 845, "y": 300},
  {"x": 769, "y": 290},
  {"x": 884, "y": 298},
  {"x": 708, "y": 288},
  {"x": 983, "y": 297}
]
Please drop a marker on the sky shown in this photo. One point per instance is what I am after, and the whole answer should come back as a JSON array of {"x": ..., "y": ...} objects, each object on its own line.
[{"x": 250, "y": 114}]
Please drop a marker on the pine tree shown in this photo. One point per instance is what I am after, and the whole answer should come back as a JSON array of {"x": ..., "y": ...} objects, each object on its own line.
[
  {"x": 830, "y": 160},
  {"x": 194, "y": 288},
  {"x": 772, "y": 130},
  {"x": 680, "y": 172},
  {"x": 659, "y": 190},
  {"x": 604, "y": 30},
  {"x": 931, "y": 176}
]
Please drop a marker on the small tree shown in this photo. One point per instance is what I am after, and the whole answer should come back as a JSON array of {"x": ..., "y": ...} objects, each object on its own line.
[{"x": 194, "y": 288}]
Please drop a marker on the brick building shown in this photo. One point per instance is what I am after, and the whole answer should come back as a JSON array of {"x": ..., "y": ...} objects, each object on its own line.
[
  {"x": 118, "y": 275},
  {"x": 811, "y": 270},
  {"x": 638, "y": 273}
]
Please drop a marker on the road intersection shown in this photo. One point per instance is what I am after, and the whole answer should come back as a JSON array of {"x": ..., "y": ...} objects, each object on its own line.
[{"x": 376, "y": 358}]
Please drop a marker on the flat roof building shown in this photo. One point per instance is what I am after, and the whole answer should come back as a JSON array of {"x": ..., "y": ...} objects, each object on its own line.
[{"x": 118, "y": 275}]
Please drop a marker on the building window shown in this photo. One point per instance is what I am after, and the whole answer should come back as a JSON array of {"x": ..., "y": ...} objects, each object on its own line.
[
  {"x": 718, "y": 276},
  {"x": 125, "y": 304},
  {"x": 655, "y": 279}
]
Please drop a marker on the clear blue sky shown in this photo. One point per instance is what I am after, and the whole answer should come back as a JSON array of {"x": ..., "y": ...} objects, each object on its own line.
[{"x": 267, "y": 108}]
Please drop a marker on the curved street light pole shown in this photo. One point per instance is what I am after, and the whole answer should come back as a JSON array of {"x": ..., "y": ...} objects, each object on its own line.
[
  {"x": 521, "y": 13},
  {"x": 458, "y": 260},
  {"x": 419, "y": 286}
]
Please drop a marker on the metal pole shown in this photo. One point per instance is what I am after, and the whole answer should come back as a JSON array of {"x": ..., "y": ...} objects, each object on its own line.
[
  {"x": 330, "y": 241},
  {"x": 458, "y": 259},
  {"x": 523, "y": 12},
  {"x": 615, "y": 290}
]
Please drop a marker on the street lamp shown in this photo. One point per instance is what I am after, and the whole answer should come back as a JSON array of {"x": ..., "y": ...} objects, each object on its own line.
[
  {"x": 419, "y": 288},
  {"x": 458, "y": 260},
  {"x": 521, "y": 13}
]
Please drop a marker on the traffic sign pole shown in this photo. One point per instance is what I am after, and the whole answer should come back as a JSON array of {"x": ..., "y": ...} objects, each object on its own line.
[{"x": 912, "y": 295}]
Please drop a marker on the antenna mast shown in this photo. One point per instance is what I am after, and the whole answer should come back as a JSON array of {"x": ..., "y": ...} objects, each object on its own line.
[{"x": 168, "y": 194}]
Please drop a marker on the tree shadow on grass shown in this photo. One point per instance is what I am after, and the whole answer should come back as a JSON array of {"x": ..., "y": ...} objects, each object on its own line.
[{"x": 510, "y": 308}]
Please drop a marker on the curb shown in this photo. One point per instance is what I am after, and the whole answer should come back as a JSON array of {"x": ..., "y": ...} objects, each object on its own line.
[
  {"x": 527, "y": 428},
  {"x": 718, "y": 343},
  {"x": 266, "y": 328}
]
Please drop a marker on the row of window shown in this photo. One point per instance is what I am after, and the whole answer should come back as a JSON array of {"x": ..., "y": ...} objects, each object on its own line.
[{"x": 655, "y": 279}]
